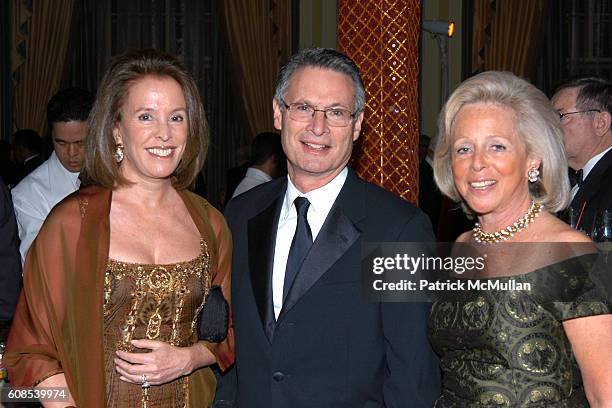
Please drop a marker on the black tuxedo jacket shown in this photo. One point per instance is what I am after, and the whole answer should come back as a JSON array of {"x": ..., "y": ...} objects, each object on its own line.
[
  {"x": 329, "y": 347},
  {"x": 596, "y": 192},
  {"x": 10, "y": 261}
]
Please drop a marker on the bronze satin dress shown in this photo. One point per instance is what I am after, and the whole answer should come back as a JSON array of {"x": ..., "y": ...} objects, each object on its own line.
[
  {"x": 508, "y": 348},
  {"x": 156, "y": 302}
]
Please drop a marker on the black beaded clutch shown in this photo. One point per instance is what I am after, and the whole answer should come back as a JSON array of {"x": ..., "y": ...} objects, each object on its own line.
[{"x": 213, "y": 319}]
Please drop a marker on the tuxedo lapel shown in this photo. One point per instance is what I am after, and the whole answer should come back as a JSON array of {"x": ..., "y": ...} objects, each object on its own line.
[
  {"x": 591, "y": 186},
  {"x": 262, "y": 239},
  {"x": 335, "y": 238},
  {"x": 337, "y": 235}
]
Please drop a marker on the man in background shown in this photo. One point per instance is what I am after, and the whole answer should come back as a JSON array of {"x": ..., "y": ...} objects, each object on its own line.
[
  {"x": 585, "y": 110},
  {"x": 35, "y": 195},
  {"x": 27, "y": 153},
  {"x": 267, "y": 159},
  {"x": 234, "y": 175}
]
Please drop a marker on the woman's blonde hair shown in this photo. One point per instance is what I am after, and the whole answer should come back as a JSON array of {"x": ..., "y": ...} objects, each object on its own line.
[{"x": 537, "y": 124}]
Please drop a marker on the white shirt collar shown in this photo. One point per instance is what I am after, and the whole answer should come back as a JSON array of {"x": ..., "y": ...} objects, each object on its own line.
[
  {"x": 321, "y": 201},
  {"x": 57, "y": 171},
  {"x": 591, "y": 163},
  {"x": 257, "y": 174}
]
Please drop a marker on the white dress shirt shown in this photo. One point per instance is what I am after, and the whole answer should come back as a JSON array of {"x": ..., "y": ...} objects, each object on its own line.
[
  {"x": 321, "y": 201},
  {"x": 252, "y": 178},
  {"x": 37, "y": 194},
  {"x": 587, "y": 169}
]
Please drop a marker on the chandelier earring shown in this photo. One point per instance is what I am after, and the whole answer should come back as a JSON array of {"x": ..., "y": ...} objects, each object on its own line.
[
  {"x": 119, "y": 153},
  {"x": 533, "y": 174}
]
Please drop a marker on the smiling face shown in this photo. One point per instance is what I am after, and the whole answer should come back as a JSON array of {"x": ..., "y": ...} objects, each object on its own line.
[
  {"x": 153, "y": 129},
  {"x": 316, "y": 152},
  {"x": 490, "y": 162}
]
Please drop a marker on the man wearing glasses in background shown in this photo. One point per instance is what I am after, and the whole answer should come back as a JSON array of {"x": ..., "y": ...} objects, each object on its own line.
[
  {"x": 585, "y": 109},
  {"x": 305, "y": 335}
]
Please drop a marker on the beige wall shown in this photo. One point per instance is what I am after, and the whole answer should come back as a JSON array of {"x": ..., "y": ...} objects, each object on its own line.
[
  {"x": 431, "y": 68},
  {"x": 318, "y": 23}
]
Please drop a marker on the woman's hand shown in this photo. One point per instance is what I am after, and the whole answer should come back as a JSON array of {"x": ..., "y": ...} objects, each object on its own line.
[{"x": 163, "y": 364}]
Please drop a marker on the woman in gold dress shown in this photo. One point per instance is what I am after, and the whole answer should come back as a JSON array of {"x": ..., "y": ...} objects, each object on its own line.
[
  {"x": 545, "y": 344},
  {"x": 120, "y": 269}
]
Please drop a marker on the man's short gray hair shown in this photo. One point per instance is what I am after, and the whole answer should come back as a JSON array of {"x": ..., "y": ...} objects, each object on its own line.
[{"x": 321, "y": 58}]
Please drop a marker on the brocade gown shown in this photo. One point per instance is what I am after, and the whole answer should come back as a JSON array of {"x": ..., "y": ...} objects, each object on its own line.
[{"x": 508, "y": 348}]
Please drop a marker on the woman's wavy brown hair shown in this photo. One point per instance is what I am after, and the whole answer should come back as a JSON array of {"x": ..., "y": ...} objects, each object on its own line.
[{"x": 123, "y": 71}]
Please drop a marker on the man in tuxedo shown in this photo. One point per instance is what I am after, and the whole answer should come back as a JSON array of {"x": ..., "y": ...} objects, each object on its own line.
[
  {"x": 305, "y": 335},
  {"x": 585, "y": 109}
]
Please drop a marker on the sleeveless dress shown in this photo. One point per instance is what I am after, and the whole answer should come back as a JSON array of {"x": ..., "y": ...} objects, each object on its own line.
[
  {"x": 156, "y": 302},
  {"x": 507, "y": 348}
]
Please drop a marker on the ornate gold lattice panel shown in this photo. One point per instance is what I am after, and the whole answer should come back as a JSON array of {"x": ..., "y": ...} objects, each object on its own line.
[{"x": 382, "y": 37}]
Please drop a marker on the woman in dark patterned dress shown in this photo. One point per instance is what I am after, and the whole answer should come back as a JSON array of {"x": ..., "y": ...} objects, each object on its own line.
[
  {"x": 547, "y": 344},
  {"x": 121, "y": 268}
]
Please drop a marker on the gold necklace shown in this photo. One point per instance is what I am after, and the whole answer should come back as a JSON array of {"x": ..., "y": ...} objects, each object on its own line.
[{"x": 505, "y": 234}]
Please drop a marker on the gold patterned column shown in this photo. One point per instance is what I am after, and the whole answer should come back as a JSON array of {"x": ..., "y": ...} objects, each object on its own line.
[{"x": 382, "y": 37}]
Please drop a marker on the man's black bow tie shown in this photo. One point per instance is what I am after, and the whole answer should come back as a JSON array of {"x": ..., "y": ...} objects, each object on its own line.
[{"x": 575, "y": 177}]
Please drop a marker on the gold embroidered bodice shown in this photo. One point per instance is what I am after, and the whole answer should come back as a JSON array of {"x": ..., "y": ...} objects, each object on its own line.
[{"x": 156, "y": 302}]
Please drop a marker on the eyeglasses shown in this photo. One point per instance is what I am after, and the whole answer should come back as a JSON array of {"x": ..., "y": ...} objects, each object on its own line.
[
  {"x": 563, "y": 115},
  {"x": 302, "y": 112}
]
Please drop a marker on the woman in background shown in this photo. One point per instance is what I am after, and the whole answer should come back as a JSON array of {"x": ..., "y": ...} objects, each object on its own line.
[
  {"x": 120, "y": 269},
  {"x": 500, "y": 153}
]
